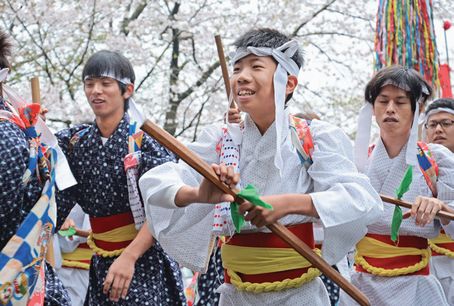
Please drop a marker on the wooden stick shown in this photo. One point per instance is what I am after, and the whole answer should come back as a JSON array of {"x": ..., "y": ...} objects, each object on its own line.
[
  {"x": 36, "y": 95},
  {"x": 50, "y": 255},
  {"x": 222, "y": 61},
  {"x": 441, "y": 214},
  {"x": 205, "y": 170}
]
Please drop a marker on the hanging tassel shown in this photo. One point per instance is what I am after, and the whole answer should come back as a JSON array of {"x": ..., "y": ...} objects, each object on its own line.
[{"x": 405, "y": 36}]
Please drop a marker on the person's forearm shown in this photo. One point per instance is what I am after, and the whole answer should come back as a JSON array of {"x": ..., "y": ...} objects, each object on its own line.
[
  {"x": 143, "y": 241},
  {"x": 300, "y": 204},
  {"x": 185, "y": 196}
]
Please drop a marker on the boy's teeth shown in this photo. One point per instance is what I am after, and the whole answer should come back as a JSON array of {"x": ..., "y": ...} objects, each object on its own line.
[{"x": 245, "y": 93}]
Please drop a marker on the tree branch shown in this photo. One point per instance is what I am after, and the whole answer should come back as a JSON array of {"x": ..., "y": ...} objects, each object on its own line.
[
  {"x": 135, "y": 15},
  {"x": 329, "y": 57},
  {"x": 200, "y": 81},
  {"x": 154, "y": 66},
  {"x": 315, "y": 14},
  {"x": 331, "y": 33}
]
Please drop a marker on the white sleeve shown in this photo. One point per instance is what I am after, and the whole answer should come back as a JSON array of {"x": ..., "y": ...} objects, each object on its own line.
[
  {"x": 184, "y": 233},
  {"x": 344, "y": 199},
  {"x": 445, "y": 183},
  {"x": 449, "y": 229}
]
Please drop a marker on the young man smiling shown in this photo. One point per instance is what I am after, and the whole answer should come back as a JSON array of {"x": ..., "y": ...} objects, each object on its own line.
[
  {"x": 261, "y": 152},
  {"x": 107, "y": 157},
  {"x": 392, "y": 266}
]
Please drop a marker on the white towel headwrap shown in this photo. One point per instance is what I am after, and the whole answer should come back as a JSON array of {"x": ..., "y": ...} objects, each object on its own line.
[{"x": 283, "y": 56}]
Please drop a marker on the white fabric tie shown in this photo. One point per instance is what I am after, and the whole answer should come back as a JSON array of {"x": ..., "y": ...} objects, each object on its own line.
[
  {"x": 363, "y": 136},
  {"x": 411, "y": 154}
]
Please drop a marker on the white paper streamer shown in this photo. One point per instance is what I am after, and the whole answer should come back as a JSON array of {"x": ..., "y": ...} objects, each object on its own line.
[{"x": 363, "y": 136}]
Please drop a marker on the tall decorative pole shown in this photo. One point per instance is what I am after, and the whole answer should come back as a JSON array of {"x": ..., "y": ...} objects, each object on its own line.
[
  {"x": 445, "y": 70},
  {"x": 405, "y": 36}
]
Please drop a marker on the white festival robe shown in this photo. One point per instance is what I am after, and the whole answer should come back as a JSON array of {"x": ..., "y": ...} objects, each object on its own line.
[
  {"x": 443, "y": 266},
  {"x": 449, "y": 229},
  {"x": 385, "y": 175},
  {"x": 344, "y": 199}
]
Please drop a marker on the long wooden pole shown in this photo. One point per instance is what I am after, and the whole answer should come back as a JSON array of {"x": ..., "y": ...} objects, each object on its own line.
[
  {"x": 442, "y": 214},
  {"x": 36, "y": 95},
  {"x": 206, "y": 171},
  {"x": 222, "y": 61},
  {"x": 36, "y": 98}
]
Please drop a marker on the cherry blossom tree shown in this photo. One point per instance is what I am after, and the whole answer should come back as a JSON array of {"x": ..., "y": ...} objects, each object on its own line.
[{"x": 171, "y": 46}]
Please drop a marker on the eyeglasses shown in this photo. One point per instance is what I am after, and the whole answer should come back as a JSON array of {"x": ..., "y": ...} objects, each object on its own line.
[{"x": 432, "y": 125}]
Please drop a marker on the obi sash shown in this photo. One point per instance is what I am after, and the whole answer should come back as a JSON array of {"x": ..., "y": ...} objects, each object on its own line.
[
  {"x": 442, "y": 245},
  {"x": 262, "y": 262},
  {"x": 112, "y": 234},
  {"x": 80, "y": 258},
  {"x": 379, "y": 255}
]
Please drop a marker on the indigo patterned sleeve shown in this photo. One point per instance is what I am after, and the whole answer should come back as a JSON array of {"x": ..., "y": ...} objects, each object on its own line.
[
  {"x": 14, "y": 155},
  {"x": 67, "y": 199},
  {"x": 153, "y": 154}
]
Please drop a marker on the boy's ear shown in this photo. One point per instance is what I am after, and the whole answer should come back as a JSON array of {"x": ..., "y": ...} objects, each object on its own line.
[
  {"x": 292, "y": 81},
  {"x": 129, "y": 91}
]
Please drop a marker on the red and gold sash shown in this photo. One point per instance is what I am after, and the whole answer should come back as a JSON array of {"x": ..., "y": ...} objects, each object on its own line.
[{"x": 111, "y": 235}]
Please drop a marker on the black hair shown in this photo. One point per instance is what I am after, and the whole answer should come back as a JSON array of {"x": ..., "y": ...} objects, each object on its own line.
[
  {"x": 113, "y": 63},
  {"x": 402, "y": 77},
  {"x": 441, "y": 103},
  {"x": 5, "y": 50},
  {"x": 268, "y": 38}
]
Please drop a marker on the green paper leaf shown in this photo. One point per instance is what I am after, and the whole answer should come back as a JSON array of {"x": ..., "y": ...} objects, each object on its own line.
[
  {"x": 250, "y": 194},
  {"x": 237, "y": 218},
  {"x": 405, "y": 183},
  {"x": 396, "y": 222},
  {"x": 71, "y": 231},
  {"x": 400, "y": 191}
]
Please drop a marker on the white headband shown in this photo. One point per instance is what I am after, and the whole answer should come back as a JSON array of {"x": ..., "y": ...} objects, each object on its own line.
[
  {"x": 425, "y": 118},
  {"x": 111, "y": 75},
  {"x": 63, "y": 175},
  {"x": 283, "y": 56},
  {"x": 364, "y": 127},
  {"x": 437, "y": 110}
]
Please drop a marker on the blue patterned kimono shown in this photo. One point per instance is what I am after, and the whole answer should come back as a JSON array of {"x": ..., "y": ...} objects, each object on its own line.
[
  {"x": 208, "y": 282},
  {"x": 17, "y": 199},
  {"x": 102, "y": 191}
]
